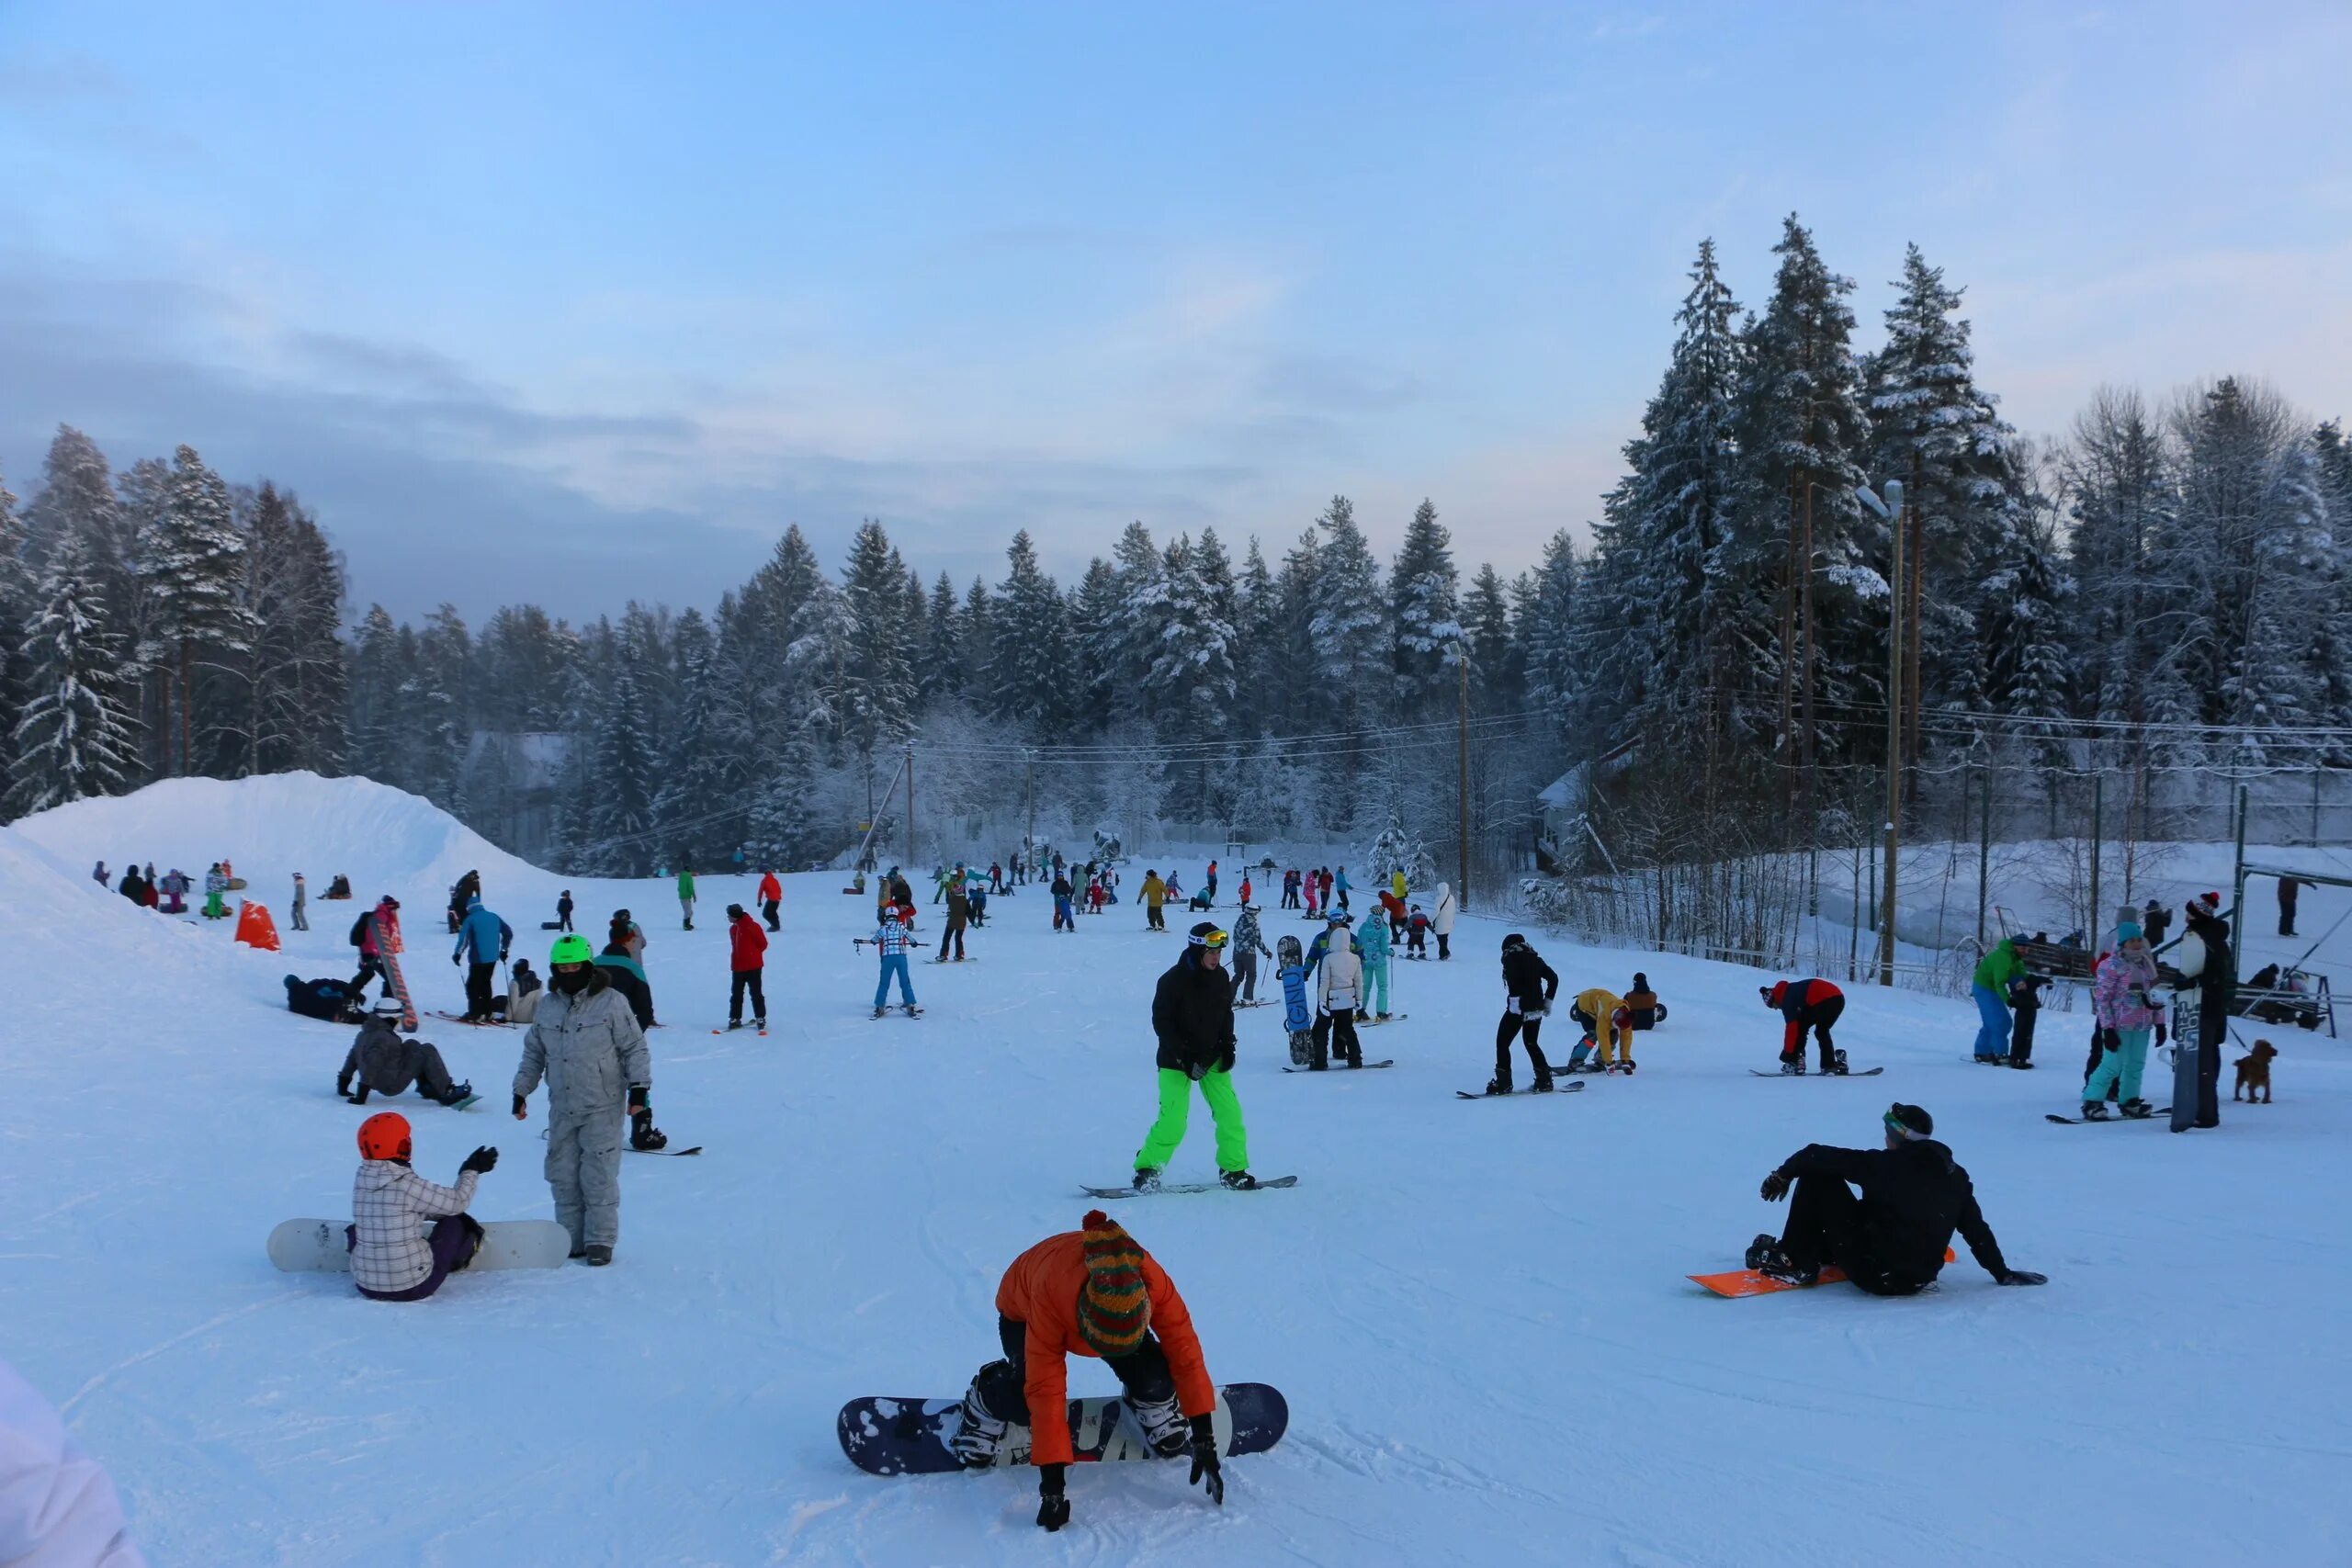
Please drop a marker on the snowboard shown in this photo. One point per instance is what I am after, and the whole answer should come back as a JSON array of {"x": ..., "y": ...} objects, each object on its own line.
[
  {"x": 910, "y": 1437},
  {"x": 1520, "y": 1093},
  {"x": 910, "y": 1012},
  {"x": 1737, "y": 1282},
  {"x": 732, "y": 1027},
  {"x": 1343, "y": 1067},
  {"x": 2079, "y": 1120},
  {"x": 674, "y": 1154},
  {"x": 1377, "y": 1022},
  {"x": 1851, "y": 1073},
  {"x": 1189, "y": 1186},
  {"x": 317, "y": 1247}
]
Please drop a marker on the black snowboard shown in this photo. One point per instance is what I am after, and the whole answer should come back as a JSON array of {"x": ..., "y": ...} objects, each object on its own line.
[
  {"x": 910, "y": 1437},
  {"x": 1343, "y": 1067},
  {"x": 1853, "y": 1073},
  {"x": 2080, "y": 1121},
  {"x": 1519, "y": 1093}
]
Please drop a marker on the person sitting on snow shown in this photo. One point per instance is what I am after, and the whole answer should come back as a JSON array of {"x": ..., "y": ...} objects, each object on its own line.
[
  {"x": 392, "y": 1258},
  {"x": 521, "y": 1003},
  {"x": 1090, "y": 1292},
  {"x": 383, "y": 1063},
  {"x": 1891, "y": 1239}
]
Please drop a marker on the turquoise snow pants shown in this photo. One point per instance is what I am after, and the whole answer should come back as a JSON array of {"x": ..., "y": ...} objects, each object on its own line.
[{"x": 2120, "y": 1069}]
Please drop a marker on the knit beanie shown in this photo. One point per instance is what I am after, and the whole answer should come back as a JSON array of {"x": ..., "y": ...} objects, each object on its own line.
[
  {"x": 2207, "y": 903},
  {"x": 2128, "y": 930},
  {"x": 1113, "y": 1309}
]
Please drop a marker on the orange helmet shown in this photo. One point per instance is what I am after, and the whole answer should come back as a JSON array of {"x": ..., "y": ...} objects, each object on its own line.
[{"x": 384, "y": 1136}]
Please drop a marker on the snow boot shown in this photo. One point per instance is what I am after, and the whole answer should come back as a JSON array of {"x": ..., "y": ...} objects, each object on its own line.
[
  {"x": 1240, "y": 1180},
  {"x": 1147, "y": 1179},
  {"x": 2095, "y": 1111},
  {"x": 980, "y": 1434},
  {"x": 2136, "y": 1108},
  {"x": 881, "y": 1012},
  {"x": 1835, "y": 1066},
  {"x": 1760, "y": 1247},
  {"x": 1577, "y": 1057},
  {"x": 1792, "y": 1066},
  {"x": 1164, "y": 1426},
  {"x": 597, "y": 1254},
  {"x": 1773, "y": 1263},
  {"x": 1542, "y": 1084},
  {"x": 1498, "y": 1085}
]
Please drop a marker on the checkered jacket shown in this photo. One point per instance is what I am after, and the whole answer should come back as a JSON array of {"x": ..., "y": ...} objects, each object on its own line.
[
  {"x": 891, "y": 938},
  {"x": 390, "y": 1203}
]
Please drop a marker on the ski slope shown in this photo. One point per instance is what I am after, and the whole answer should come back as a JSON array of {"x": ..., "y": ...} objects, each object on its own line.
[{"x": 1478, "y": 1311}]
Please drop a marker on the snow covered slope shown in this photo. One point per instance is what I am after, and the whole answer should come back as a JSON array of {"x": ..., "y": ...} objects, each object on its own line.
[{"x": 1476, "y": 1310}]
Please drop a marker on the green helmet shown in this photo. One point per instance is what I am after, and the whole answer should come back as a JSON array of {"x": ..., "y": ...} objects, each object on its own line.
[{"x": 571, "y": 947}]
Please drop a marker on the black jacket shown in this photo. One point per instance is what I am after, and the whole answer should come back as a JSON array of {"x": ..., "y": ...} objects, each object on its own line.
[
  {"x": 1193, "y": 1014},
  {"x": 1913, "y": 1198},
  {"x": 1529, "y": 978}
]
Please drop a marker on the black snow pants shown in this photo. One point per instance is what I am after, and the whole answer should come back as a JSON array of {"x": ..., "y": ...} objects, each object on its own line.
[
  {"x": 1825, "y": 1227},
  {"x": 1512, "y": 1028},
  {"x": 1002, "y": 1384},
  {"x": 478, "y": 990},
  {"x": 1245, "y": 974},
  {"x": 746, "y": 980},
  {"x": 1334, "y": 1034}
]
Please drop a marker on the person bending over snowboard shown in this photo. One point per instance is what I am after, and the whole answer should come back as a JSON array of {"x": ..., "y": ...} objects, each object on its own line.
[
  {"x": 1890, "y": 1241},
  {"x": 586, "y": 1043},
  {"x": 1810, "y": 1006},
  {"x": 392, "y": 1259},
  {"x": 383, "y": 1063},
  {"x": 1090, "y": 1292}
]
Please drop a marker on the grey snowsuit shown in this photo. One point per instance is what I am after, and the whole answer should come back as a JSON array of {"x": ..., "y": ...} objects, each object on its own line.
[
  {"x": 593, "y": 1054},
  {"x": 386, "y": 1064}
]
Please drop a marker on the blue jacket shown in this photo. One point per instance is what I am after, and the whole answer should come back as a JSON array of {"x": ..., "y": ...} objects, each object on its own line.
[
  {"x": 1372, "y": 937},
  {"x": 485, "y": 933}
]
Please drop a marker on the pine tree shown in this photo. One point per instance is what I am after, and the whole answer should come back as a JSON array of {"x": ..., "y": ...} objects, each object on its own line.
[
  {"x": 296, "y": 681},
  {"x": 73, "y": 737},
  {"x": 18, "y": 587},
  {"x": 1498, "y": 674},
  {"x": 1349, "y": 623},
  {"x": 2028, "y": 670},
  {"x": 1258, "y": 614},
  {"x": 1030, "y": 662},
  {"x": 2129, "y": 624},
  {"x": 1548, "y": 634},
  {"x": 624, "y": 769},
  {"x": 77, "y": 498},
  {"x": 190, "y": 557},
  {"x": 701, "y": 797},
  {"x": 1143, "y": 598},
  {"x": 2331, "y": 649},
  {"x": 1098, "y": 633},
  {"x": 877, "y": 682},
  {"x": 1292, "y": 707},
  {"x": 942, "y": 672},
  {"x": 1425, "y": 615}
]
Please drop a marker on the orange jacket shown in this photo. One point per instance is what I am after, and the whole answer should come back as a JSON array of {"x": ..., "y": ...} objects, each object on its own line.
[
  {"x": 1040, "y": 1291},
  {"x": 770, "y": 888}
]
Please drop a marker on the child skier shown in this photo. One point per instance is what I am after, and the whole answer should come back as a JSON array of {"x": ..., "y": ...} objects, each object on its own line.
[
  {"x": 383, "y": 1063},
  {"x": 1530, "y": 984},
  {"x": 391, "y": 1260},
  {"x": 1373, "y": 942},
  {"x": 771, "y": 898},
  {"x": 1192, "y": 1013},
  {"x": 890, "y": 940},
  {"x": 747, "y": 955},
  {"x": 1417, "y": 934}
]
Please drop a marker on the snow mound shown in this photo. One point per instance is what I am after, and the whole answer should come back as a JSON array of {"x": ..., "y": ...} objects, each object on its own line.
[
  {"x": 385, "y": 839},
  {"x": 55, "y": 922}
]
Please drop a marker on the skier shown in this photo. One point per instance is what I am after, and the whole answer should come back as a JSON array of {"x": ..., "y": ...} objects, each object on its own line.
[
  {"x": 563, "y": 907},
  {"x": 1338, "y": 1002},
  {"x": 2290, "y": 888},
  {"x": 2126, "y": 1013},
  {"x": 1090, "y": 1292},
  {"x": 771, "y": 898},
  {"x": 367, "y": 936},
  {"x": 1210, "y": 886},
  {"x": 976, "y": 894},
  {"x": 1890, "y": 1240},
  {"x": 1607, "y": 1023},
  {"x": 301, "y": 917},
  {"x": 1531, "y": 984},
  {"x": 383, "y": 1063},
  {"x": 1192, "y": 1013},
  {"x": 216, "y": 890},
  {"x": 747, "y": 948},
  {"x": 587, "y": 1044},
  {"x": 1155, "y": 894},
  {"x": 390, "y": 1261},
  {"x": 1374, "y": 943},
  {"x": 959, "y": 910},
  {"x": 1441, "y": 922},
  {"x": 1808, "y": 1004},
  {"x": 686, "y": 896},
  {"x": 1248, "y": 946},
  {"x": 487, "y": 939},
  {"x": 2206, "y": 962},
  {"x": 1417, "y": 934},
  {"x": 1063, "y": 919},
  {"x": 1336, "y": 922},
  {"x": 1995, "y": 972},
  {"x": 890, "y": 940}
]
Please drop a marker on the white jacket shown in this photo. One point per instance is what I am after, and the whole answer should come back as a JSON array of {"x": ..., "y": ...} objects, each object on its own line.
[
  {"x": 1338, "y": 983},
  {"x": 57, "y": 1507},
  {"x": 390, "y": 1203},
  {"x": 1443, "y": 921}
]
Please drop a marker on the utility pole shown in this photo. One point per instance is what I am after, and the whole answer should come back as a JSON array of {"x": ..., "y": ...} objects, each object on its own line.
[
  {"x": 1891, "y": 509},
  {"x": 1031, "y": 842},
  {"x": 1462, "y": 785},
  {"x": 911, "y": 862}
]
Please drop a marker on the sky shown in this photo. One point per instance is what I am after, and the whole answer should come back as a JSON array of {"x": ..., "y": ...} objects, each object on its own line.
[{"x": 579, "y": 303}]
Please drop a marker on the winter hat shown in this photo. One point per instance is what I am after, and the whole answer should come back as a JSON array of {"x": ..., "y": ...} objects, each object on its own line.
[
  {"x": 1113, "y": 1309},
  {"x": 1514, "y": 940},
  {"x": 388, "y": 1007},
  {"x": 734, "y": 911},
  {"x": 2128, "y": 930},
  {"x": 1909, "y": 1122},
  {"x": 2207, "y": 903}
]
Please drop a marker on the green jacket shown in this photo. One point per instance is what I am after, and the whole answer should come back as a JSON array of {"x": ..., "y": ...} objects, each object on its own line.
[
  {"x": 686, "y": 885},
  {"x": 1998, "y": 968}
]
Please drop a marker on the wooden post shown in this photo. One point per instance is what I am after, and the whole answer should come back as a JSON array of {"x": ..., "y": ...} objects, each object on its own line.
[
  {"x": 1894, "y": 743},
  {"x": 913, "y": 864},
  {"x": 1461, "y": 785}
]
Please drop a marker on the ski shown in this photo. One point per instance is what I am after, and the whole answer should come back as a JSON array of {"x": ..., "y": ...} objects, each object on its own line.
[
  {"x": 1343, "y": 1067},
  {"x": 1856, "y": 1072},
  {"x": 1254, "y": 1004},
  {"x": 733, "y": 1027},
  {"x": 1517, "y": 1093},
  {"x": 2079, "y": 1120},
  {"x": 1188, "y": 1186}
]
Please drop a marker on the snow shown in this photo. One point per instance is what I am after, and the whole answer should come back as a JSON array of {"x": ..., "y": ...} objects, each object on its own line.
[{"x": 1478, "y": 1311}]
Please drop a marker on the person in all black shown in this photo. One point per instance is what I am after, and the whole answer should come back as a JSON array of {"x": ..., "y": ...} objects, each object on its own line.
[
  {"x": 563, "y": 911},
  {"x": 1532, "y": 986},
  {"x": 2205, "y": 962},
  {"x": 2154, "y": 920},
  {"x": 1811, "y": 1005},
  {"x": 2025, "y": 1009},
  {"x": 1890, "y": 1240},
  {"x": 2290, "y": 888}
]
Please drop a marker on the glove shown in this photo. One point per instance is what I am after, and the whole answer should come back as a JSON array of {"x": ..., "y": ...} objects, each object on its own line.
[
  {"x": 2160, "y": 1031},
  {"x": 484, "y": 1159},
  {"x": 2023, "y": 1276},
  {"x": 1053, "y": 1509},
  {"x": 361, "y": 1098},
  {"x": 638, "y": 1104},
  {"x": 1775, "y": 1188},
  {"x": 1205, "y": 1460},
  {"x": 454, "y": 959},
  {"x": 518, "y": 1108}
]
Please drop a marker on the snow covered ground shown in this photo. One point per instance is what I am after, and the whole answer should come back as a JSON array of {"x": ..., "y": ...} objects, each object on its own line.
[{"x": 1476, "y": 1310}]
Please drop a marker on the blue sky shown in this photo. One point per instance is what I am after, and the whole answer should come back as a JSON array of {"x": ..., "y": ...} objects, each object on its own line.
[{"x": 579, "y": 302}]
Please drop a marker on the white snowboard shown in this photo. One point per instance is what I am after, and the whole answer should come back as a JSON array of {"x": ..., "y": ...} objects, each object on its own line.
[{"x": 314, "y": 1246}]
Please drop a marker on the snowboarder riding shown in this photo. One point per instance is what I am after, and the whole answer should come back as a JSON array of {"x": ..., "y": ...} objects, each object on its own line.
[
  {"x": 586, "y": 1043},
  {"x": 1890, "y": 1240},
  {"x": 1090, "y": 1292},
  {"x": 1191, "y": 1012},
  {"x": 391, "y": 1260}
]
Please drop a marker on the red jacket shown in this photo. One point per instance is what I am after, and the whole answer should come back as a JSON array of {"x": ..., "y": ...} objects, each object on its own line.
[
  {"x": 747, "y": 944},
  {"x": 771, "y": 890},
  {"x": 1800, "y": 1005}
]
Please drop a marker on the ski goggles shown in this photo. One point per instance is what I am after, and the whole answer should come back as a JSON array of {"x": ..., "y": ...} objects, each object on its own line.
[
  {"x": 1898, "y": 1126},
  {"x": 1211, "y": 939}
]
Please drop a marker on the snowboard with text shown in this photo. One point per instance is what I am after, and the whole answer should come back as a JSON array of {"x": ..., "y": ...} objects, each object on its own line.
[{"x": 910, "y": 1437}]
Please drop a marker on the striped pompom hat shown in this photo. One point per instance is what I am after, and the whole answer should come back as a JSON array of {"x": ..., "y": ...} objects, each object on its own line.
[{"x": 1112, "y": 1311}]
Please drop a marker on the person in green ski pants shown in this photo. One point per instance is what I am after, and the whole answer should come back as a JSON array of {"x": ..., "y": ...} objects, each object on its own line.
[{"x": 1191, "y": 1012}]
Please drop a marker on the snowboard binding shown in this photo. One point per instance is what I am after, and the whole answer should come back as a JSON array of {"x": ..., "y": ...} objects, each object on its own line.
[{"x": 645, "y": 1137}]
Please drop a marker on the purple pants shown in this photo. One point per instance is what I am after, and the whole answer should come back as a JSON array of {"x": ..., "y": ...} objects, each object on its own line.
[{"x": 453, "y": 1241}]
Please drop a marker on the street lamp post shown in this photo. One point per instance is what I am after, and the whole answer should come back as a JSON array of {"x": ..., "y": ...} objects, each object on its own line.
[{"x": 1891, "y": 509}]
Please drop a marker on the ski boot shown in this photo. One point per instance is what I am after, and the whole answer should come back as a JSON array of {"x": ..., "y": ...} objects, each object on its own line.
[
  {"x": 1240, "y": 1180},
  {"x": 1498, "y": 1085},
  {"x": 2137, "y": 1109},
  {"x": 734, "y": 1023},
  {"x": 2095, "y": 1111},
  {"x": 1147, "y": 1179},
  {"x": 881, "y": 1012},
  {"x": 1165, "y": 1429},
  {"x": 979, "y": 1433},
  {"x": 1835, "y": 1066}
]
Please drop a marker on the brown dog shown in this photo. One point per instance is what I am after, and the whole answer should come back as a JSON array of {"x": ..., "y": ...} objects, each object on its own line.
[{"x": 2254, "y": 1073}]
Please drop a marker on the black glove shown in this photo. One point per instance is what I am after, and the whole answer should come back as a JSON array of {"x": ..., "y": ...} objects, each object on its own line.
[
  {"x": 456, "y": 959},
  {"x": 518, "y": 1105},
  {"x": 638, "y": 1105},
  {"x": 484, "y": 1159},
  {"x": 2022, "y": 1276},
  {"x": 1053, "y": 1509},
  {"x": 1205, "y": 1460},
  {"x": 1775, "y": 1188},
  {"x": 361, "y": 1098}
]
